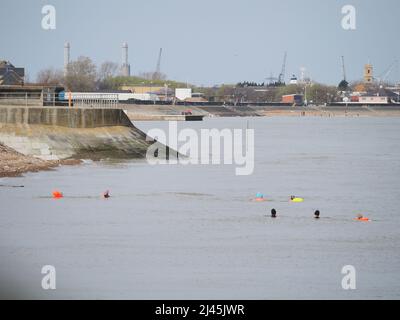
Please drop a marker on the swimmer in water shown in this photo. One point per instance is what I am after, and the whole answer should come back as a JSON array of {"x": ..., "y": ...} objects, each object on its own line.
[
  {"x": 259, "y": 197},
  {"x": 106, "y": 194},
  {"x": 360, "y": 217},
  {"x": 316, "y": 214},
  {"x": 273, "y": 213}
]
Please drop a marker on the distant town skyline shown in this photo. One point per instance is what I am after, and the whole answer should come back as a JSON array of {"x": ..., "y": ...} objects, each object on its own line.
[{"x": 208, "y": 42}]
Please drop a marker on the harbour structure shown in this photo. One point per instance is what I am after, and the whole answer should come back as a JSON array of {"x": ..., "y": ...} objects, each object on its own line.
[
  {"x": 281, "y": 78},
  {"x": 52, "y": 133}
]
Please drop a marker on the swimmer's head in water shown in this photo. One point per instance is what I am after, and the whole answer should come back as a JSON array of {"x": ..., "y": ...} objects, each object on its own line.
[
  {"x": 57, "y": 194},
  {"x": 316, "y": 214},
  {"x": 360, "y": 216},
  {"x": 292, "y": 197},
  {"x": 106, "y": 194},
  {"x": 273, "y": 213}
]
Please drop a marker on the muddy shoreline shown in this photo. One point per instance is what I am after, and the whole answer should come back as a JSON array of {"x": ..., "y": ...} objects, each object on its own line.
[{"x": 15, "y": 164}]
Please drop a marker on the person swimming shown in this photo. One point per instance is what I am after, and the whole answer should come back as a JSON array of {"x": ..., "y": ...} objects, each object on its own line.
[
  {"x": 273, "y": 213},
  {"x": 57, "y": 194},
  {"x": 259, "y": 197},
  {"x": 360, "y": 217},
  {"x": 296, "y": 199},
  {"x": 316, "y": 214},
  {"x": 106, "y": 194}
]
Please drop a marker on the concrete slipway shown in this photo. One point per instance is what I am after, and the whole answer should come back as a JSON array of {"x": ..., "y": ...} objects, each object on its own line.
[{"x": 60, "y": 133}]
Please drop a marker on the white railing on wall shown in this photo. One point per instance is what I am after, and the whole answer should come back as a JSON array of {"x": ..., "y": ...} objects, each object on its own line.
[{"x": 87, "y": 100}]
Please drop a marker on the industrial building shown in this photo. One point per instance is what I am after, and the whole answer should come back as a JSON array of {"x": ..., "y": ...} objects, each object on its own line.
[
  {"x": 10, "y": 75},
  {"x": 382, "y": 96}
]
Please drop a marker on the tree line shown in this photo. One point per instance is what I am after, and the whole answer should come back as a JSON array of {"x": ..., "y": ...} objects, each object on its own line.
[{"x": 83, "y": 75}]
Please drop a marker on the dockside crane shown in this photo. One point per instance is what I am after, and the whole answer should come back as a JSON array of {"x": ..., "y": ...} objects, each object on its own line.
[
  {"x": 157, "y": 73},
  {"x": 383, "y": 77},
  {"x": 343, "y": 85},
  {"x": 271, "y": 79},
  {"x": 281, "y": 78}
]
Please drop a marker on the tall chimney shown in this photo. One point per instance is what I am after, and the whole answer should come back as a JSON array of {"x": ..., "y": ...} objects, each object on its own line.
[
  {"x": 67, "y": 48},
  {"x": 125, "y": 67}
]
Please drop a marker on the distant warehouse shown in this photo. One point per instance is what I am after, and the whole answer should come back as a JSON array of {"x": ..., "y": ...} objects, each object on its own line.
[{"x": 374, "y": 100}]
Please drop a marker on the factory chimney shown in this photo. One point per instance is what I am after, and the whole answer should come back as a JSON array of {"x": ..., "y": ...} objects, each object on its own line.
[
  {"x": 67, "y": 48},
  {"x": 125, "y": 67}
]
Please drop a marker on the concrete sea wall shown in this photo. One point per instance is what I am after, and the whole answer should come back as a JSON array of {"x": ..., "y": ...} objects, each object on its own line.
[
  {"x": 59, "y": 133},
  {"x": 65, "y": 117}
]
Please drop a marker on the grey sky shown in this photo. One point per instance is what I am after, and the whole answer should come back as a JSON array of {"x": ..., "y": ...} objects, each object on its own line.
[{"x": 209, "y": 41}]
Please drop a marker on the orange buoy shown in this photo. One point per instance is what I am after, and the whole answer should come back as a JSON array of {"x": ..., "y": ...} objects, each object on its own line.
[
  {"x": 360, "y": 217},
  {"x": 57, "y": 194}
]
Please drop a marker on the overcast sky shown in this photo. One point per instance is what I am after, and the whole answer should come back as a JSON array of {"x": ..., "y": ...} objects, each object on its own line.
[{"x": 208, "y": 41}]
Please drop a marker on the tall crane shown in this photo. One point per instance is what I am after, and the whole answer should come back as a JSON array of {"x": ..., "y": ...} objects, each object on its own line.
[
  {"x": 343, "y": 85},
  {"x": 382, "y": 78},
  {"x": 281, "y": 78},
  {"x": 271, "y": 79},
  {"x": 157, "y": 73}
]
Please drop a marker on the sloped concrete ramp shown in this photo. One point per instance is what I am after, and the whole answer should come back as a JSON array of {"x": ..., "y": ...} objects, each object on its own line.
[{"x": 62, "y": 133}]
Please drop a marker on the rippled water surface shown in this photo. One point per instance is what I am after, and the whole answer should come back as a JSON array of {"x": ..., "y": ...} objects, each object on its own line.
[{"x": 191, "y": 232}]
